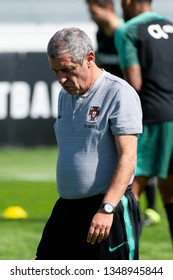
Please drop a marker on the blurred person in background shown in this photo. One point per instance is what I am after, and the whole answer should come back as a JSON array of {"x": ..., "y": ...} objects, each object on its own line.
[
  {"x": 96, "y": 215},
  {"x": 146, "y": 57},
  {"x": 103, "y": 13}
]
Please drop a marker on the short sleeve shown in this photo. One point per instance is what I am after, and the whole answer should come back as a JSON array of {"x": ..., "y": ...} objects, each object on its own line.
[
  {"x": 125, "y": 41},
  {"x": 126, "y": 116}
]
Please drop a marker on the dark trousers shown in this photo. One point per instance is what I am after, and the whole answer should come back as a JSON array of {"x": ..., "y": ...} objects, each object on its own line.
[{"x": 64, "y": 236}]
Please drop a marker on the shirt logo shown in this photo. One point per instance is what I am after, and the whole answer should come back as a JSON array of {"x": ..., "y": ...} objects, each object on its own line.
[
  {"x": 93, "y": 114},
  {"x": 111, "y": 250},
  {"x": 158, "y": 32}
]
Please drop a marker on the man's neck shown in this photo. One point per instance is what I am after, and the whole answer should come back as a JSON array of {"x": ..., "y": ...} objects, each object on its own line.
[
  {"x": 140, "y": 8},
  {"x": 112, "y": 24}
]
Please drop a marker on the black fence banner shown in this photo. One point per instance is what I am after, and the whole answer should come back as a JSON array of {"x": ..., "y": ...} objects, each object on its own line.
[{"x": 28, "y": 99}]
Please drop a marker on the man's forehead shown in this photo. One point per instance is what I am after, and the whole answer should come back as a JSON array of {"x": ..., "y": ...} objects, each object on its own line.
[{"x": 61, "y": 62}]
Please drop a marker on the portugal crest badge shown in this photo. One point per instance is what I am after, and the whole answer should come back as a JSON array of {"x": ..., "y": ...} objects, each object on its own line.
[{"x": 93, "y": 114}]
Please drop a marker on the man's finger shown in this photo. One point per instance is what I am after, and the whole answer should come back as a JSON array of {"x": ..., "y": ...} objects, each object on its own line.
[
  {"x": 101, "y": 236},
  {"x": 92, "y": 235}
]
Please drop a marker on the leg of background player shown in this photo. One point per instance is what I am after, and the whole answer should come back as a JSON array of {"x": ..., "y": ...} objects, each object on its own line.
[
  {"x": 151, "y": 214},
  {"x": 166, "y": 191}
]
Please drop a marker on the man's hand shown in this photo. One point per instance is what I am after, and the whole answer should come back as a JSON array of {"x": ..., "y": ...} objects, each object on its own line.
[{"x": 100, "y": 227}]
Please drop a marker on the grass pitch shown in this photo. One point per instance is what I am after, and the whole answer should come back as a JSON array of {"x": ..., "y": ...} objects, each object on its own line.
[{"x": 27, "y": 179}]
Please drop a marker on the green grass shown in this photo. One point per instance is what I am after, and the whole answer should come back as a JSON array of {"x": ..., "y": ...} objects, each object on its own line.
[
  {"x": 28, "y": 164},
  {"x": 155, "y": 241},
  {"x": 27, "y": 179}
]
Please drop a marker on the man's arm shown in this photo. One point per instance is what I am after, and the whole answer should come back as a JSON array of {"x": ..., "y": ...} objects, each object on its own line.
[
  {"x": 132, "y": 74},
  {"x": 125, "y": 42},
  {"x": 101, "y": 222}
]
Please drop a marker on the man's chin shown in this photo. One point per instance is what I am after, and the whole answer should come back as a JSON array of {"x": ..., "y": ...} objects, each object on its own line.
[
  {"x": 69, "y": 89},
  {"x": 72, "y": 91}
]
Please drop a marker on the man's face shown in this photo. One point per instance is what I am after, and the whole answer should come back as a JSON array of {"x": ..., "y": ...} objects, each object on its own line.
[
  {"x": 126, "y": 9},
  {"x": 73, "y": 77},
  {"x": 98, "y": 14}
]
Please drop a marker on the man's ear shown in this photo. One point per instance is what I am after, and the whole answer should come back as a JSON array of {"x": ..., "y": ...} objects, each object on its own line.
[{"x": 90, "y": 57}]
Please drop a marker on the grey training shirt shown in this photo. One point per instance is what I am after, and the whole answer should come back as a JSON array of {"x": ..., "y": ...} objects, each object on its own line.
[{"x": 85, "y": 130}]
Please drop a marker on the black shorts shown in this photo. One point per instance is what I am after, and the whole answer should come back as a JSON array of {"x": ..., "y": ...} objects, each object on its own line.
[{"x": 65, "y": 234}]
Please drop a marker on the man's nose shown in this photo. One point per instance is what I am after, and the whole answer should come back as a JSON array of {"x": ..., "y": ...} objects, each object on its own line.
[{"x": 62, "y": 78}]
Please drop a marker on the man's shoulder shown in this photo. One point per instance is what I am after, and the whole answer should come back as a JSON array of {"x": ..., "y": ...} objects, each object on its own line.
[
  {"x": 112, "y": 78},
  {"x": 141, "y": 19},
  {"x": 117, "y": 82}
]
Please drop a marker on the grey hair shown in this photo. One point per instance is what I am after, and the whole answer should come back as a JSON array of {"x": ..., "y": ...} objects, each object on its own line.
[{"x": 72, "y": 41}]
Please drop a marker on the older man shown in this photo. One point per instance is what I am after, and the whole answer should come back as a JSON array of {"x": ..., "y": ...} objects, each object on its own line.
[{"x": 99, "y": 117}]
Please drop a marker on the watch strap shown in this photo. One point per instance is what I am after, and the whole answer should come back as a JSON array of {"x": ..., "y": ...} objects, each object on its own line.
[{"x": 103, "y": 207}]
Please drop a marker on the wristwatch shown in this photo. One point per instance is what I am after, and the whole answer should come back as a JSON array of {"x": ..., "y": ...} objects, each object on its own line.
[{"x": 108, "y": 208}]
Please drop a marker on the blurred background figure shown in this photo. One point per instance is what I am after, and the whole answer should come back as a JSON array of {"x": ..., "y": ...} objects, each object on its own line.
[
  {"x": 103, "y": 14},
  {"x": 146, "y": 55}
]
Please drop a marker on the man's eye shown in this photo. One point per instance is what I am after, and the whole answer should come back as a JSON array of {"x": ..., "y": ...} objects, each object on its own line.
[
  {"x": 68, "y": 70},
  {"x": 65, "y": 70}
]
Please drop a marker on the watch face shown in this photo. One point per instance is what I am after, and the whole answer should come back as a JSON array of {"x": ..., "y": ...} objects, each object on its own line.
[{"x": 108, "y": 208}]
